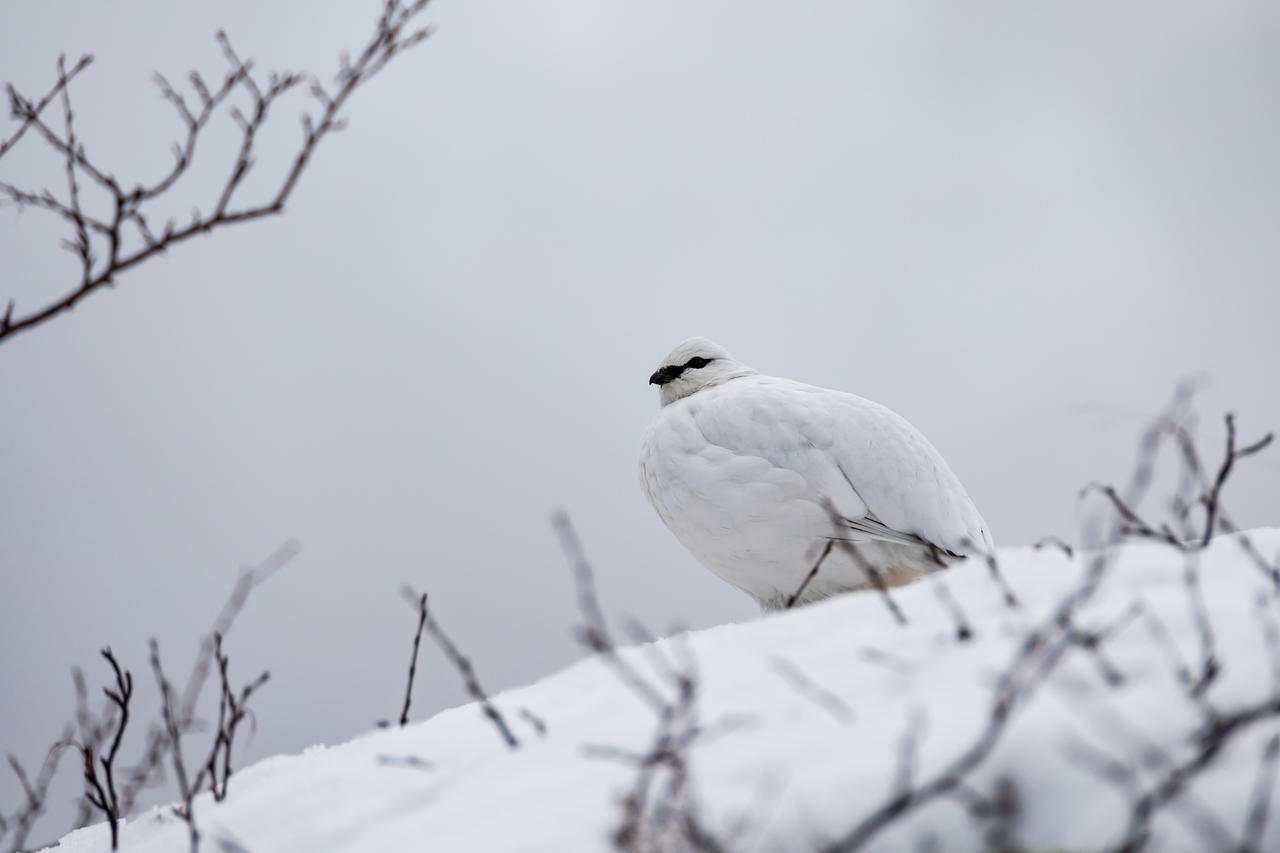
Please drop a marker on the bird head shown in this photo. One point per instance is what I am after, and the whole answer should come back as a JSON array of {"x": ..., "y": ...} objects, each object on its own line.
[{"x": 695, "y": 364}]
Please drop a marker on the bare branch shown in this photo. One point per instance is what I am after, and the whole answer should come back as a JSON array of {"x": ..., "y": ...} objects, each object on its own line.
[
  {"x": 1054, "y": 541},
  {"x": 392, "y": 36},
  {"x": 27, "y": 112},
  {"x": 36, "y": 792},
  {"x": 1212, "y": 499},
  {"x": 232, "y": 710},
  {"x": 106, "y": 799},
  {"x": 1260, "y": 800},
  {"x": 413, "y": 659},
  {"x": 814, "y": 692},
  {"x": 158, "y": 738},
  {"x": 964, "y": 631},
  {"x": 175, "y": 724},
  {"x": 795, "y": 596},
  {"x": 594, "y": 634},
  {"x": 465, "y": 669}
]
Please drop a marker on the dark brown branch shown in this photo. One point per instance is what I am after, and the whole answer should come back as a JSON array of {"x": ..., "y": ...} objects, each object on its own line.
[
  {"x": 413, "y": 659},
  {"x": 232, "y": 710},
  {"x": 392, "y": 36},
  {"x": 106, "y": 799},
  {"x": 795, "y": 596},
  {"x": 158, "y": 738},
  {"x": 465, "y": 669},
  {"x": 1213, "y": 498},
  {"x": 28, "y": 112}
]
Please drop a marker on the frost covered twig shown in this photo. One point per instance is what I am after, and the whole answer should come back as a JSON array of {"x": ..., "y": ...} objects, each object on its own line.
[
  {"x": 35, "y": 792},
  {"x": 110, "y": 242}
]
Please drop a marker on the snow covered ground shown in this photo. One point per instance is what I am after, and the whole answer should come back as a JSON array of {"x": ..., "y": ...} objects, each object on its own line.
[{"x": 811, "y": 719}]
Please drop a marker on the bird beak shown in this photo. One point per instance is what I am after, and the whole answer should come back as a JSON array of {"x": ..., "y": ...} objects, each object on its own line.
[{"x": 661, "y": 377}]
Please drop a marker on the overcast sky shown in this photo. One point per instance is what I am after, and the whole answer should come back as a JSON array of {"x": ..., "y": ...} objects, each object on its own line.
[{"x": 1018, "y": 225}]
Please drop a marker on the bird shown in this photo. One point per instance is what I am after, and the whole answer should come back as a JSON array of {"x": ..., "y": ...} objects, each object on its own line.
[{"x": 794, "y": 493}]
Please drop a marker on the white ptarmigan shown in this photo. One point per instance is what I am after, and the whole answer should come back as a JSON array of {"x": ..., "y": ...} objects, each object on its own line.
[{"x": 758, "y": 476}]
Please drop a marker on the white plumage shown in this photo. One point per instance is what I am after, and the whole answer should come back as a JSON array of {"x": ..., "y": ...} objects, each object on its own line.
[{"x": 755, "y": 475}]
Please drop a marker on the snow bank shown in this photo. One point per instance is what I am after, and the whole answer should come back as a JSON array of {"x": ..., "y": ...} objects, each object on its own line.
[{"x": 807, "y": 717}]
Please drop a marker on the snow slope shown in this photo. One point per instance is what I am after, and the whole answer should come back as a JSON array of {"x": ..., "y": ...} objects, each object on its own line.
[{"x": 782, "y": 768}]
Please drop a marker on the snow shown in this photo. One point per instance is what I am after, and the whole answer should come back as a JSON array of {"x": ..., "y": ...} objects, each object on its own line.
[{"x": 780, "y": 769}]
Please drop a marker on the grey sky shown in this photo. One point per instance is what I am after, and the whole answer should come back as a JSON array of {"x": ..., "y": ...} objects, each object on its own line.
[{"x": 1018, "y": 225}]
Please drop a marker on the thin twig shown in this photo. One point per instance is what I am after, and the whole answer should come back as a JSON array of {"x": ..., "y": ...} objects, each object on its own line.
[
  {"x": 413, "y": 659},
  {"x": 808, "y": 578}
]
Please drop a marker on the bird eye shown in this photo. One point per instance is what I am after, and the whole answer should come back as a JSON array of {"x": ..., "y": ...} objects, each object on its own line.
[{"x": 696, "y": 362}]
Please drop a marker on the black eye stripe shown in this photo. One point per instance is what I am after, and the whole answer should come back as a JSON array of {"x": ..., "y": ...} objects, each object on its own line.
[{"x": 673, "y": 371}]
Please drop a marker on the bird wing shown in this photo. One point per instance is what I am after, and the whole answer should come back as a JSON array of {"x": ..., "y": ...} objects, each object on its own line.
[{"x": 865, "y": 463}]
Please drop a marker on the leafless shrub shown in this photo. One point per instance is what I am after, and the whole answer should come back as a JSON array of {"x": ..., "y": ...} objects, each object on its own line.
[
  {"x": 109, "y": 242},
  {"x": 216, "y": 769},
  {"x": 1205, "y": 493},
  {"x": 175, "y": 725},
  {"x": 100, "y": 797},
  {"x": 462, "y": 664},
  {"x": 158, "y": 736},
  {"x": 1043, "y": 647},
  {"x": 232, "y": 710},
  {"x": 659, "y": 811},
  {"x": 104, "y": 791},
  {"x": 35, "y": 792}
]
